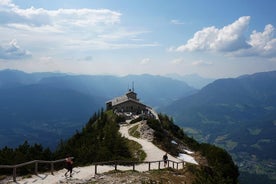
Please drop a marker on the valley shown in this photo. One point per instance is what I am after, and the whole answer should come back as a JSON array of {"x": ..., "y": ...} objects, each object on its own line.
[{"x": 238, "y": 115}]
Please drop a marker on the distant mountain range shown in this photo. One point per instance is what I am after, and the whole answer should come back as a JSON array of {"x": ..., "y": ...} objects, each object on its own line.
[
  {"x": 48, "y": 107},
  {"x": 238, "y": 114},
  {"x": 193, "y": 80}
]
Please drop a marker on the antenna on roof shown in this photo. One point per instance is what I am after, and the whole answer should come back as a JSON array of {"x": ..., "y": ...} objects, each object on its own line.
[{"x": 132, "y": 86}]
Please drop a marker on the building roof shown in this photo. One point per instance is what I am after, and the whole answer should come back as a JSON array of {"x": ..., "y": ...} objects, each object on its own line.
[{"x": 125, "y": 98}]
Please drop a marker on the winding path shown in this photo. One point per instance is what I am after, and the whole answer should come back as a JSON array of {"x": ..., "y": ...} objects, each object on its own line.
[
  {"x": 84, "y": 174},
  {"x": 152, "y": 151}
]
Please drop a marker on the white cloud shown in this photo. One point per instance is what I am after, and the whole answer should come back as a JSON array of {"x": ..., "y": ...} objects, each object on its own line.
[
  {"x": 122, "y": 34},
  {"x": 176, "y": 22},
  {"x": 171, "y": 49},
  {"x": 263, "y": 43},
  {"x": 201, "y": 63},
  {"x": 6, "y": 3},
  {"x": 67, "y": 29},
  {"x": 178, "y": 61},
  {"x": 13, "y": 51},
  {"x": 46, "y": 58},
  {"x": 232, "y": 39},
  {"x": 145, "y": 61},
  {"x": 63, "y": 18},
  {"x": 228, "y": 38}
]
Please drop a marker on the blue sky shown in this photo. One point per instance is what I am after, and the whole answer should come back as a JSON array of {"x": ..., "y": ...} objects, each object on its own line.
[{"x": 212, "y": 38}]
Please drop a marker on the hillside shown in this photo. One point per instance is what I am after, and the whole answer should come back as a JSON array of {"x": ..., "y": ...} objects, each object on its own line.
[
  {"x": 238, "y": 114},
  {"x": 102, "y": 139},
  {"x": 46, "y": 107}
]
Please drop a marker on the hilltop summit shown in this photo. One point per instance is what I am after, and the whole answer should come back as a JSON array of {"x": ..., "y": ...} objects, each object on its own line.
[
  {"x": 202, "y": 163},
  {"x": 104, "y": 140}
]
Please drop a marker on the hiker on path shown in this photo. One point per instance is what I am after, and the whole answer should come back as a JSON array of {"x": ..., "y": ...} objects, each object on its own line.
[
  {"x": 69, "y": 166},
  {"x": 165, "y": 158}
]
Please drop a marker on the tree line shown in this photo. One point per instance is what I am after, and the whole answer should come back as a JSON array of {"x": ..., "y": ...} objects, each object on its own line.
[{"x": 99, "y": 140}]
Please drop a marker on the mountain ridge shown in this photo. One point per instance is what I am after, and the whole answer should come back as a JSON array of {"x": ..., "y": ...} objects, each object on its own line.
[{"x": 238, "y": 114}]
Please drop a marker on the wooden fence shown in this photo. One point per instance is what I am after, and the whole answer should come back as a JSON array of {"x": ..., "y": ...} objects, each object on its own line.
[
  {"x": 35, "y": 162},
  {"x": 170, "y": 163}
]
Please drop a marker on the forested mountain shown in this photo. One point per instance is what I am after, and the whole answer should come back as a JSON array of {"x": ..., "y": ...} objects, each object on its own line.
[
  {"x": 100, "y": 140},
  {"x": 238, "y": 114},
  {"x": 45, "y": 107}
]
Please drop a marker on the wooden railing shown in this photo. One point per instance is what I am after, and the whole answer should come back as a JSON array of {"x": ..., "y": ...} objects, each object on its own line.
[
  {"x": 170, "y": 163},
  {"x": 174, "y": 165},
  {"x": 35, "y": 162}
]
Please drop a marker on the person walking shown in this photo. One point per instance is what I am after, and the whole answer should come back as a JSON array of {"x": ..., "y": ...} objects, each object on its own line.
[
  {"x": 165, "y": 159},
  {"x": 69, "y": 166}
]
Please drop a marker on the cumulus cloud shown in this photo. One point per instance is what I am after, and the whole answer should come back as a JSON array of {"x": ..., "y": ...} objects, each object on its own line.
[
  {"x": 232, "y": 39},
  {"x": 263, "y": 43},
  {"x": 12, "y": 51},
  {"x": 228, "y": 38}
]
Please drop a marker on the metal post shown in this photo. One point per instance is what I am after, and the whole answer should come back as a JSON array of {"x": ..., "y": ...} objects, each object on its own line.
[
  {"x": 133, "y": 166},
  {"x": 149, "y": 166}
]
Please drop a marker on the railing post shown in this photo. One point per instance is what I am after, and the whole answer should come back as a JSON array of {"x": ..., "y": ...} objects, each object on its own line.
[
  {"x": 183, "y": 163},
  {"x": 52, "y": 168},
  {"x": 95, "y": 169},
  {"x": 14, "y": 174},
  {"x": 115, "y": 166},
  {"x": 173, "y": 164},
  {"x": 159, "y": 165},
  {"x": 133, "y": 166},
  {"x": 177, "y": 165},
  {"x": 149, "y": 166},
  {"x": 36, "y": 166}
]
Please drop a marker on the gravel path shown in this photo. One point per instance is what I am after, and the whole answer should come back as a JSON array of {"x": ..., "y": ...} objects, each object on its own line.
[
  {"x": 84, "y": 174},
  {"x": 152, "y": 151}
]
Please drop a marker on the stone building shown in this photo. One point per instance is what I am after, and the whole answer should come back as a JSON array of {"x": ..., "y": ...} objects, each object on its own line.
[{"x": 127, "y": 103}]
